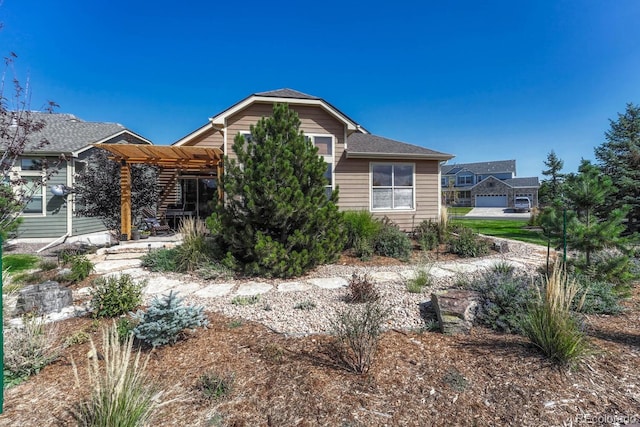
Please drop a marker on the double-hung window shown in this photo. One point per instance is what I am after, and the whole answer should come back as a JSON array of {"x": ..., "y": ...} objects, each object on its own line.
[
  {"x": 466, "y": 179},
  {"x": 32, "y": 189},
  {"x": 325, "y": 150},
  {"x": 392, "y": 186}
]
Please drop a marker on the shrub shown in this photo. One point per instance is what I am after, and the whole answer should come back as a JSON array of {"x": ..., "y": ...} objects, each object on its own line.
[
  {"x": 420, "y": 279},
  {"x": 165, "y": 319},
  {"x": 214, "y": 386},
  {"x": 78, "y": 337},
  {"x": 430, "y": 234},
  {"x": 160, "y": 260},
  {"x": 357, "y": 331},
  {"x": 468, "y": 244},
  {"x": 81, "y": 268},
  {"x": 19, "y": 262},
  {"x": 27, "y": 349},
  {"x": 360, "y": 227},
  {"x": 599, "y": 297},
  {"x": 503, "y": 267},
  {"x": 243, "y": 300},
  {"x": 121, "y": 394},
  {"x": 361, "y": 289},
  {"x": 363, "y": 249},
  {"x": 113, "y": 296},
  {"x": 194, "y": 250},
  {"x": 549, "y": 322},
  {"x": 124, "y": 328},
  {"x": 503, "y": 299},
  {"x": 305, "y": 305},
  {"x": 47, "y": 265},
  {"x": 607, "y": 266},
  {"x": 392, "y": 242}
]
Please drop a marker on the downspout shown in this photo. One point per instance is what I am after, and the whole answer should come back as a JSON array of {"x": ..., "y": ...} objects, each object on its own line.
[{"x": 55, "y": 242}]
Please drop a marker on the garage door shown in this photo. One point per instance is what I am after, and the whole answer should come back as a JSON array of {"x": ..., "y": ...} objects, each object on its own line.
[{"x": 491, "y": 201}]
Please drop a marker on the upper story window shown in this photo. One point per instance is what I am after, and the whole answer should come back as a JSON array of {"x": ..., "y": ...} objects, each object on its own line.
[
  {"x": 444, "y": 181},
  {"x": 466, "y": 179},
  {"x": 31, "y": 188},
  {"x": 392, "y": 186},
  {"x": 31, "y": 164}
]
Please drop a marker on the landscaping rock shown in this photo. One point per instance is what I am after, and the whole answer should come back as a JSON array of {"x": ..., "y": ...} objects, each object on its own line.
[
  {"x": 456, "y": 310},
  {"x": 47, "y": 297}
]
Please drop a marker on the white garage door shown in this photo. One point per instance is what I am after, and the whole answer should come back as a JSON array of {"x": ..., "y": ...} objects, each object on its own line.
[{"x": 491, "y": 201}]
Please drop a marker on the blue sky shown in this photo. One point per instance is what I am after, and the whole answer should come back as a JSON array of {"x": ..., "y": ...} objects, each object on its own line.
[{"x": 482, "y": 80}]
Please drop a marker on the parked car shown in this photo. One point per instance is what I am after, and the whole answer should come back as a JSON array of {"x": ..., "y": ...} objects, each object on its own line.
[{"x": 522, "y": 204}]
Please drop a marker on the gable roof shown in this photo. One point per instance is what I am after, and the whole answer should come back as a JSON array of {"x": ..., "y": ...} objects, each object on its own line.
[
  {"x": 68, "y": 134},
  {"x": 523, "y": 182},
  {"x": 361, "y": 145},
  {"x": 286, "y": 93},
  {"x": 480, "y": 168}
]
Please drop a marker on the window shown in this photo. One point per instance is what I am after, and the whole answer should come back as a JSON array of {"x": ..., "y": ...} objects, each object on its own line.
[
  {"x": 444, "y": 181},
  {"x": 325, "y": 150},
  {"x": 392, "y": 186},
  {"x": 32, "y": 188},
  {"x": 466, "y": 179}
]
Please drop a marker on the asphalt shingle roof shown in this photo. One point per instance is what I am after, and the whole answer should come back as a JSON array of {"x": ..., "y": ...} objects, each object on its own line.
[
  {"x": 523, "y": 182},
  {"x": 67, "y": 133},
  {"x": 286, "y": 93},
  {"x": 482, "y": 168},
  {"x": 363, "y": 143}
]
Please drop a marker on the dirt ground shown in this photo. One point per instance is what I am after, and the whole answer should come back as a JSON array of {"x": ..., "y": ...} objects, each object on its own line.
[{"x": 417, "y": 379}]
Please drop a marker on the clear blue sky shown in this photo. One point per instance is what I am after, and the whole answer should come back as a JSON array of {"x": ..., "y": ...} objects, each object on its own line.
[{"x": 482, "y": 80}]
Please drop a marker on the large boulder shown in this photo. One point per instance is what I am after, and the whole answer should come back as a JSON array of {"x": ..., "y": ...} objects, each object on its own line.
[
  {"x": 47, "y": 297},
  {"x": 456, "y": 310}
]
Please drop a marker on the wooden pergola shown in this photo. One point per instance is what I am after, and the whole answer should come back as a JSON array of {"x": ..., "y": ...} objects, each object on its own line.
[{"x": 181, "y": 158}]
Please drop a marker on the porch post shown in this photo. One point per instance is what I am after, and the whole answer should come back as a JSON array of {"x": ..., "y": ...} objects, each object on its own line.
[
  {"x": 219, "y": 172},
  {"x": 125, "y": 200}
]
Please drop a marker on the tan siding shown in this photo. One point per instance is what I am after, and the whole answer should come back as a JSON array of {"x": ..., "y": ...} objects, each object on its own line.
[
  {"x": 353, "y": 178},
  {"x": 211, "y": 138},
  {"x": 314, "y": 120}
]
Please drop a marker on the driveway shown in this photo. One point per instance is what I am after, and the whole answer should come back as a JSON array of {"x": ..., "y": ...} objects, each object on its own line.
[{"x": 496, "y": 213}]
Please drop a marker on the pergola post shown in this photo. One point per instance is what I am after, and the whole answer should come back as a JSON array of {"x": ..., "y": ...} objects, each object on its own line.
[{"x": 125, "y": 200}]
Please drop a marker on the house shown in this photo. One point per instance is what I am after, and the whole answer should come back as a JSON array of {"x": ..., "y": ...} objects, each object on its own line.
[
  {"x": 486, "y": 184},
  {"x": 385, "y": 177},
  {"x": 50, "y": 212}
]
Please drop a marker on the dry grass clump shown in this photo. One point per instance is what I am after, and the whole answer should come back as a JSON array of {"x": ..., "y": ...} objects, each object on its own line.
[
  {"x": 120, "y": 392},
  {"x": 550, "y": 322}
]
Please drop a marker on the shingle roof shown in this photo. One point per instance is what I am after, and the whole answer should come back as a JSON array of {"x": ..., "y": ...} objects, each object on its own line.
[
  {"x": 363, "y": 145},
  {"x": 523, "y": 182},
  {"x": 482, "y": 167},
  {"x": 286, "y": 93},
  {"x": 66, "y": 133}
]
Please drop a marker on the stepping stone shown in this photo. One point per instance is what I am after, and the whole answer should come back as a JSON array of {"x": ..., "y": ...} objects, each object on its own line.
[
  {"x": 213, "y": 291},
  {"x": 253, "y": 288},
  {"x": 116, "y": 265},
  {"x": 329, "y": 282},
  {"x": 136, "y": 273},
  {"x": 441, "y": 273},
  {"x": 385, "y": 276},
  {"x": 293, "y": 287},
  {"x": 161, "y": 286},
  {"x": 460, "y": 268}
]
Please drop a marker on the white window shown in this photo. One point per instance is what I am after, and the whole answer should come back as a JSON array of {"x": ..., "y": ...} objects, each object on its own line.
[
  {"x": 31, "y": 188},
  {"x": 392, "y": 186},
  {"x": 325, "y": 150}
]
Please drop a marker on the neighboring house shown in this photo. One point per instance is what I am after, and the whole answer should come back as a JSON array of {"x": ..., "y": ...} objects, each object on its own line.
[
  {"x": 50, "y": 214},
  {"x": 385, "y": 177},
  {"x": 487, "y": 184}
]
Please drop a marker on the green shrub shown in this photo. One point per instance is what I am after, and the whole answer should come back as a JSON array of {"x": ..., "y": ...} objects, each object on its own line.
[
  {"x": 81, "y": 268},
  {"x": 47, "y": 265},
  {"x": 357, "y": 331},
  {"x": 27, "y": 349},
  {"x": 214, "y": 386},
  {"x": 121, "y": 394},
  {"x": 429, "y": 234},
  {"x": 609, "y": 267},
  {"x": 16, "y": 263},
  {"x": 468, "y": 244},
  {"x": 112, "y": 296},
  {"x": 420, "y": 279},
  {"x": 599, "y": 297},
  {"x": 360, "y": 227},
  {"x": 392, "y": 242},
  {"x": 160, "y": 260},
  {"x": 194, "y": 250},
  {"x": 361, "y": 289},
  {"x": 503, "y": 267},
  {"x": 363, "y": 249},
  {"x": 305, "y": 305},
  {"x": 243, "y": 300},
  {"x": 503, "y": 299},
  {"x": 78, "y": 337},
  {"x": 165, "y": 319},
  {"x": 550, "y": 323},
  {"x": 124, "y": 328}
]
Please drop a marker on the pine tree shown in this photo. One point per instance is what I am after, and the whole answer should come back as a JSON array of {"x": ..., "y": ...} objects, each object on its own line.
[
  {"x": 619, "y": 158},
  {"x": 277, "y": 219},
  {"x": 551, "y": 188}
]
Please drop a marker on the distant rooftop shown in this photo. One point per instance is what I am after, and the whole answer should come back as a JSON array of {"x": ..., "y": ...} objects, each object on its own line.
[{"x": 481, "y": 167}]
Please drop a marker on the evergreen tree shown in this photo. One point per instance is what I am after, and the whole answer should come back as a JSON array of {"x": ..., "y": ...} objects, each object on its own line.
[
  {"x": 277, "y": 219},
  {"x": 586, "y": 193},
  {"x": 619, "y": 158},
  {"x": 551, "y": 188}
]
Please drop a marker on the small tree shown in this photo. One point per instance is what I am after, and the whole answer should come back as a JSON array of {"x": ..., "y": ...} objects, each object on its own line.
[
  {"x": 551, "y": 188},
  {"x": 277, "y": 219},
  {"x": 98, "y": 190}
]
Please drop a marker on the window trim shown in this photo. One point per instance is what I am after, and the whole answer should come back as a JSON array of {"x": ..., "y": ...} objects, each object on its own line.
[
  {"x": 328, "y": 158},
  {"x": 393, "y": 187},
  {"x": 465, "y": 175},
  {"x": 30, "y": 173}
]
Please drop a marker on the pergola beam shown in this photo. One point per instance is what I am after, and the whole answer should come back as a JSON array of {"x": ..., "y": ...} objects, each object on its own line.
[{"x": 180, "y": 158}]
